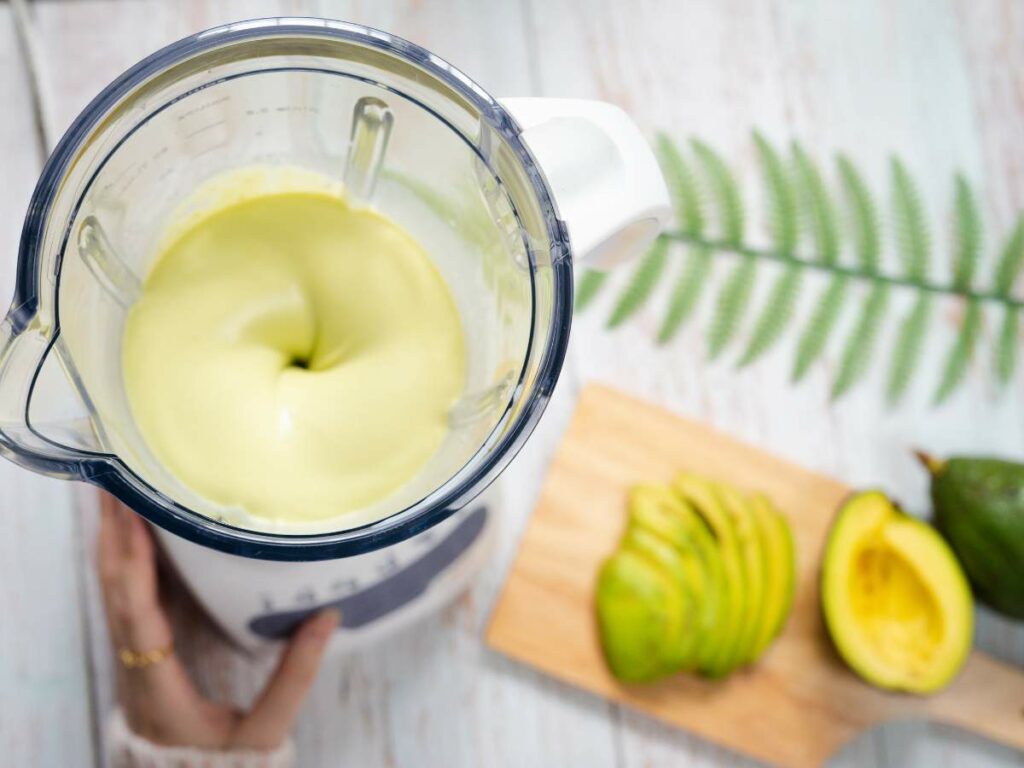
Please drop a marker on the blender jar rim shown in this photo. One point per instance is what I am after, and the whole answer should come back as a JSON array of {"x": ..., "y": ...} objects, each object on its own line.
[{"x": 108, "y": 471}]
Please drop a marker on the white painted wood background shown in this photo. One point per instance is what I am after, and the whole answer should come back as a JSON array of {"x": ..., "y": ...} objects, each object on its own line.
[{"x": 940, "y": 82}]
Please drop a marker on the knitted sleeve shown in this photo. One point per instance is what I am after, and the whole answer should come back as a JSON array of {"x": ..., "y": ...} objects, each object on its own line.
[{"x": 129, "y": 750}]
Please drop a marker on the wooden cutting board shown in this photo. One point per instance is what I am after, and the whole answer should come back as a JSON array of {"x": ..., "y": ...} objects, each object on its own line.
[{"x": 799, "y": 703}]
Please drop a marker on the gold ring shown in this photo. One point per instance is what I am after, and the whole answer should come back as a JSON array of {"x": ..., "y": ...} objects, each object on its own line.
[{"x": 142, "y": 659}]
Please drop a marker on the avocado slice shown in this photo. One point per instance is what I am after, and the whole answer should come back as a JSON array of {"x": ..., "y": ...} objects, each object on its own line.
[
  {"x": 705, "y": 499},
  {"x": 662, "y": 512},
  {"x": 682, "y": 571},
  {"x": 895, "y": 599},
  {"x": 640, "y": 617},
  {"x": 750, "y": 542},
  {"x": 780, "y": 572},
  {"x": 653, "y": 507}
]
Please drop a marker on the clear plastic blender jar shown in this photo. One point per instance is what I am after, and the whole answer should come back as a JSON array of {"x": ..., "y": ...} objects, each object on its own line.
[{"x": 502, "y": 194}]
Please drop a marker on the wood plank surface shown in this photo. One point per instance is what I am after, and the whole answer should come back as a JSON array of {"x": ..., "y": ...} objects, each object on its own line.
[
  {"x": 843, "y": 75},
  {"x": 799, "y": 703},
  {"x": 44, "y": 680}
]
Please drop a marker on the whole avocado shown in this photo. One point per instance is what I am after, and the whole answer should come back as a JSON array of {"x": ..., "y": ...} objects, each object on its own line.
[{"x": 979, "y": 508}]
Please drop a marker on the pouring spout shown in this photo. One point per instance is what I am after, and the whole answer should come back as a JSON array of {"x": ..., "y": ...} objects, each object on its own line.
[{"x": 21, "y": 356}]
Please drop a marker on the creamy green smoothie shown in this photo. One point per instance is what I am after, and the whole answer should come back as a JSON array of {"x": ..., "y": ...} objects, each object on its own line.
[{"x": 293, "y": 355}]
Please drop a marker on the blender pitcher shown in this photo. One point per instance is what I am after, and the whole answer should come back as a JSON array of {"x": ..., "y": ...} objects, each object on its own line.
[{"x": 502, "y": 194}]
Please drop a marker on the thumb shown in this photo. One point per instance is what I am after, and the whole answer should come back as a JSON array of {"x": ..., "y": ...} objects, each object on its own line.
[{"x": 271, "y": 718}]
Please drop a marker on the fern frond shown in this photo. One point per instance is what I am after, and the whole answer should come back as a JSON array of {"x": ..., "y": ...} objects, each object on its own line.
[
  {"x": 725, "y": 193},
  {"x": 906, "y": 351},
  {"x": 862, "y": 213},
  {"x": 776, "y": 314},
  {"x": 641, "y": 283},
  {"x": 1011, "y": 259},
  {"x": 801, "y": 208},
  {"x": 782, "y": 221},
  {"x": 732, "y": 304},
  {"x": 589, "y": 286},
  {"x": 968, "y": 235},
  {"x": 682, "y": 184},
  {"x": 685, "y": 292},
  {"x": 908, "y": 218},
  {"x": 861, "y": 341},
  {"x": 1006, "y": 348},
  {"x": 819, "y": 211},
  {"x": 819, "y": 327},
  {"x": 961, "y": 352}
]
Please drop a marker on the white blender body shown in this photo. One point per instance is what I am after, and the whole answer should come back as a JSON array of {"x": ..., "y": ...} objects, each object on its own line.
[
  {"x": 502, "y": 195},
  {"x": 259, "y": 602}
]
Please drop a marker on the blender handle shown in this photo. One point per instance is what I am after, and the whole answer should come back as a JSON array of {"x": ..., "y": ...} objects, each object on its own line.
[
  {"x": 602, "y": 172},
  {"x": 21, "y": 354}
]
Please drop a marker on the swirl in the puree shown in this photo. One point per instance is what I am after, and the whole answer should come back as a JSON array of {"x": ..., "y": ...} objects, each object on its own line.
[{"x": 293, "y": 356}]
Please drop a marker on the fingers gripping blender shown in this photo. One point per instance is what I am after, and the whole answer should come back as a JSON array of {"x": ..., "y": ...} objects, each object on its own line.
[{"x": 503, "y": 195}]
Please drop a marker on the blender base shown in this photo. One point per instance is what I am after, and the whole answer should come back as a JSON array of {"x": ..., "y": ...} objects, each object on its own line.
[{"x": 258, "y": 603}]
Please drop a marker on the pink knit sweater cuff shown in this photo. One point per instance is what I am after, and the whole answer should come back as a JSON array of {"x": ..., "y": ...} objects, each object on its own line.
[{"x": 129, "y": 750}]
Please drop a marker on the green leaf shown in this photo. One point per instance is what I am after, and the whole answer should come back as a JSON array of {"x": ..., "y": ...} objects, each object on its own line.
[
  {"x": 861, "y": 341},
  {"x": 819, "y": 327},
  {"x": 1006, "y": 349},
  {"x": 906, "y": 351},
  {"x": 732, "y": 304},
  {"x": 968, "y": 235},
  {"x": 817, "y": 205},
  {"x": 724, "y": 191},
  {"x": 863, "y": 217},
  {"x": 686, "y": 292},
  {"x": 908, "y": 218},
  {"x": 683, "y": 185},
  {"x": 642, "y": 282},
  {"x": 782, "y": 220},
  {"x": 1011, "y": 259},
  {"x": 777, "y": 312},
  {"x": 961, "y": 352},
  {"x": 588, "y": 287}
]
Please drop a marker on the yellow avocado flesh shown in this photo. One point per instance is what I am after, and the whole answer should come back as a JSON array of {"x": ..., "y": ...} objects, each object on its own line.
[
  {"x": 895, "y": 600},
  {"x": 701, "y": 494},
  {"x": 293, "y": 356}
]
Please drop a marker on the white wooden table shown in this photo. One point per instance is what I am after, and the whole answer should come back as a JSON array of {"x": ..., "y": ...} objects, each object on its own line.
[{"x": 941, "y": 83}]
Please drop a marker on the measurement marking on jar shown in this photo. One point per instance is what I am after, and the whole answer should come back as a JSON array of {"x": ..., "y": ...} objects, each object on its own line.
[
  {"x": 205, "y": 128},
  {"x": 202, "y": 107}
]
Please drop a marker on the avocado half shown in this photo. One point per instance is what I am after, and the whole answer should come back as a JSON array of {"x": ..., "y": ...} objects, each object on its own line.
[{"x": 895, "y": 599}]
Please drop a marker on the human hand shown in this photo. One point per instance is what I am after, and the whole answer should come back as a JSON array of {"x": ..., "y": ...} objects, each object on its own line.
[{"x": 159, "y": 700}]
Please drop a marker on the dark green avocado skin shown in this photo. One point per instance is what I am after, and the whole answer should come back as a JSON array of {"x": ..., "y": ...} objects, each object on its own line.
[{"x": 979, "y": 508}]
